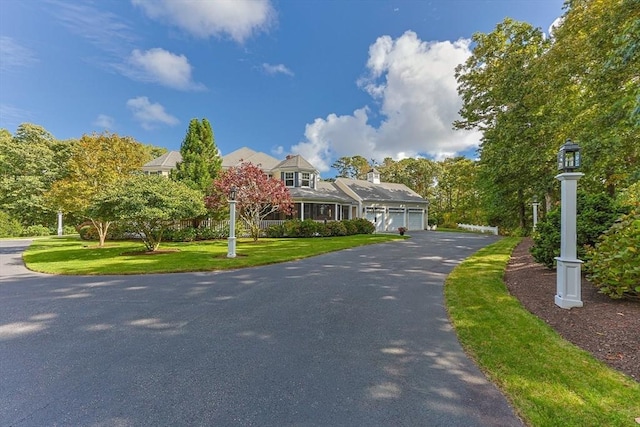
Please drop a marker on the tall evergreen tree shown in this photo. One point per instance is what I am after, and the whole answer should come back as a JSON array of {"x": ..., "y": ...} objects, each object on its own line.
[{"x": 201, "y": 160}]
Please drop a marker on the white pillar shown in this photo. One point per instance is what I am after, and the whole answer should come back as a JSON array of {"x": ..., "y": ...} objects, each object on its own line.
[
  {"x": 568, "y": 279},
  {"x": 535, "y": 214},
  {"x": 59, "y": 223},
  {"x": 301, "y": 211},
  {"x": 231, "y": 253}
]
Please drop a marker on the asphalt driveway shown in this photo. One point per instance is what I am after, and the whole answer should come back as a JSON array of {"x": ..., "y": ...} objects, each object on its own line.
[{"x": 353, "y": 338}]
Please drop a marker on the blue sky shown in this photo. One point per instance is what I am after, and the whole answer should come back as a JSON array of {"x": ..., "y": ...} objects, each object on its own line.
[{"x": 320, "y": 78}]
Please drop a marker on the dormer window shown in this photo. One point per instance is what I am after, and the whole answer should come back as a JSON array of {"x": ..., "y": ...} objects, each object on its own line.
[
  {"x": 289, "y": 179},
  {"x": 305, "y": 179}
]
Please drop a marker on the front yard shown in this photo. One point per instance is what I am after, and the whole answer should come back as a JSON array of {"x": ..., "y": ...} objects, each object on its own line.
[{"x": 70, "y": 255}]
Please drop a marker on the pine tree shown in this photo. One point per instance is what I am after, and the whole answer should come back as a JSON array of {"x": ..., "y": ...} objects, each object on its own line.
[{"x": 201, "y": 161}]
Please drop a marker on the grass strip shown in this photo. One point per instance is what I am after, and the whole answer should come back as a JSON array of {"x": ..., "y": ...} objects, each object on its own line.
[
  {"x": 72, "y": 256},
  {"x": 549, "y": 381}
]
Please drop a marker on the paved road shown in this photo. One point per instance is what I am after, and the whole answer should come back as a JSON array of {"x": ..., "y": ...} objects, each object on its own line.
[{"x": 354, "y": 338}]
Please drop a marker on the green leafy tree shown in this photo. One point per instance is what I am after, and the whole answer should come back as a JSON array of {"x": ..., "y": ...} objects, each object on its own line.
[
  {"x": 148, "y": 205},
  {"x": 593, "y": 90},
  {"x": 30, "y": 161},
  {"x": 355, "y": 167},
  {"x": 501, "y": 87},
  {"x": 98, "y": 162},
  {"x": 201, "y": 162},
  {"x": 418, "y": 174},
  {"x": 455, "y": 196}
]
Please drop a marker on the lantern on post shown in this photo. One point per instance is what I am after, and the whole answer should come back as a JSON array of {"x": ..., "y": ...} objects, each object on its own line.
[
  {"x": 231, "y": 246},
  {"x": 569, "y": 158},
  {"x": 568, "y": 274}
]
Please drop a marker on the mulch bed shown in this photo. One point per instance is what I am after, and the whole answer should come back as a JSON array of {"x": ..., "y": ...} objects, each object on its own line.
[{"x": 608, "y": 329}]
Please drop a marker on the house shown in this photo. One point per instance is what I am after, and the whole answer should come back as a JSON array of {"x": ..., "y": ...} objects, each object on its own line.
[
  {"x": 163, "y": 165},
  {"x": 387, "y": 205}
]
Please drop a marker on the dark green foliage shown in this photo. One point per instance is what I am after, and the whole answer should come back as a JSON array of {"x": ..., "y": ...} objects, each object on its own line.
[
  {"x": 201, "y": 161},
  {"x": 614, "y": 264},
  {"x": 311, "y": 228},
  {"x": 186, "y": 234},
  {"x": 306, "y": 228},
  {"x": 336, "y": 228},
  {"x": 546, "y": 239},
  {"x": 350, "y": 227},
  {"x": 596, "y": 213},
  {"x": 208, "y": 233},
  {"x": 9, "y": 227},
  {"x": 190, "y": 234},
  {"x": 363, "y": 226},
  {"x": 275, "y": 231}
]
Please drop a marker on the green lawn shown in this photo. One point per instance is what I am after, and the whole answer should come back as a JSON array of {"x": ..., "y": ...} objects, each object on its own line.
[
  {"x": 549, "y": 381},
  {"x": 70, "y": 255}
]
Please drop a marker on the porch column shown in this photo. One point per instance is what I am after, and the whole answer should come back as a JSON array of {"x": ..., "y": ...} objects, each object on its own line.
[{"x": 302, "y": 211}]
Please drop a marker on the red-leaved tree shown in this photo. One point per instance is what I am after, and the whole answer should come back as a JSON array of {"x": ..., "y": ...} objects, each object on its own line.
[{"x": 256, "y": 195}]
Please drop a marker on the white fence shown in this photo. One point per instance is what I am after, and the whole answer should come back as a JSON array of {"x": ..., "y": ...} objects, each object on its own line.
[
  {"x": 224, "y": 223},
  {"x": 479, "y": 228}
]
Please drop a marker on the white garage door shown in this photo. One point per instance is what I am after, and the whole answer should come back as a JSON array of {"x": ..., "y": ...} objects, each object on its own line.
[
  {"x": 416, "y": 221},
  {"x": 396, "y": 219},
  {"x": 376, "y": 217}
]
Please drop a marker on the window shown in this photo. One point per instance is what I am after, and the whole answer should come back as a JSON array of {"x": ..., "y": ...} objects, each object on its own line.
[
  {"x": 288, "y": 179},
  {"x": 305, "y": 179}
]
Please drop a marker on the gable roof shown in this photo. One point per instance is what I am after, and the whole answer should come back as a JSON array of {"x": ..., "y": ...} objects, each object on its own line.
[
  {"x": 247, "y": 155},
  {"x": 382, "y": 192},
  {"x": 324, "y": 191},
  {"x": 167, "y": 160},
  {"x": 296, "y": 162}
]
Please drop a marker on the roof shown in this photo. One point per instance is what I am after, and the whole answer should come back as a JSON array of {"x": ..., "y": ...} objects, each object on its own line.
[
  {"x": 247, "y": 155},
  {"x": 296, "y": 162},
  {"x": 382, "y": 192},
  {"x": 324, "y": 192},
  {"x": 167, "y": 160}
]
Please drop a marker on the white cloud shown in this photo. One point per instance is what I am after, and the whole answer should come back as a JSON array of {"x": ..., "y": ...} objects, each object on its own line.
[
  {"x": 276, "y": 69},
  {"x": 14, "y": 55},
  {"x": 11, "y": 117},
  {"x": 413, "y": 84},
  {"x": 160, "y": 66},
  {"x": 104, "y": 121},
  {"x": 149, "y": 115},
  {"x": 105, "y": 30},
  {"x": 238, "y": 19}
]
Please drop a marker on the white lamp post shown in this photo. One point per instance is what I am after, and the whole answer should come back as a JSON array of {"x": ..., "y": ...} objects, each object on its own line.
[
  {"x": 535, "y": 205},
  {"x": 231, "y": 253},
  {"x": 59, "y": 223},
  {"x": 568, "y": 280}
]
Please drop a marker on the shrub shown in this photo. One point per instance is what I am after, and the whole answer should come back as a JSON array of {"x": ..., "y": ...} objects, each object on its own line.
[
  {"x": 336, "y": 228},
  {"x": 9, "y": 227},
  {"x": 36, "y": 230},
  {"x": 68, "y": 229},
  {"x": 595, "y": 214},
  {"x": 614, "y": 264},
  {"x": 208, "y": 233},
  {"x": 186, "y": 234},
  {"x": 276, "y": 231},
  {"x": 364, "y": 226},
  {"x": 546, "y": 239},
  {"x": 350, "y": 227}
]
